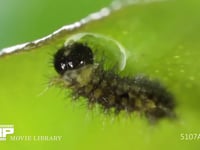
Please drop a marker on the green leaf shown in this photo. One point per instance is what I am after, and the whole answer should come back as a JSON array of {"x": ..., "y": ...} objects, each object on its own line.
[{"x": 161, "y": 39}]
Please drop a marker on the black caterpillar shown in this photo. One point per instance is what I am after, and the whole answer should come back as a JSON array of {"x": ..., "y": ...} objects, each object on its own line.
[{"x": 77, "y": 68}]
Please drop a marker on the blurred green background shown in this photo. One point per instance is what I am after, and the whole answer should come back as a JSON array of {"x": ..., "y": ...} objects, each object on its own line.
[
  {"x": 22, "y": 20},
  {"x": 163, "y": 39}
]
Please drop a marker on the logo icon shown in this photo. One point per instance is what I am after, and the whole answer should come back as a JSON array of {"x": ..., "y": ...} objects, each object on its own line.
[{"x": 5, "y": 130}]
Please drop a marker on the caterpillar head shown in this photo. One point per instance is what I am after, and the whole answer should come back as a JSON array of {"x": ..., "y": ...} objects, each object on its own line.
[
  {"x": 83, "y": 53},
  {"x": 75, "y": 63}
]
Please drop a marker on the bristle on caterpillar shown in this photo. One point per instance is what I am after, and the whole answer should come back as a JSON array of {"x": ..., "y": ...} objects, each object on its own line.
[{"x": 77, "y": 68}]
